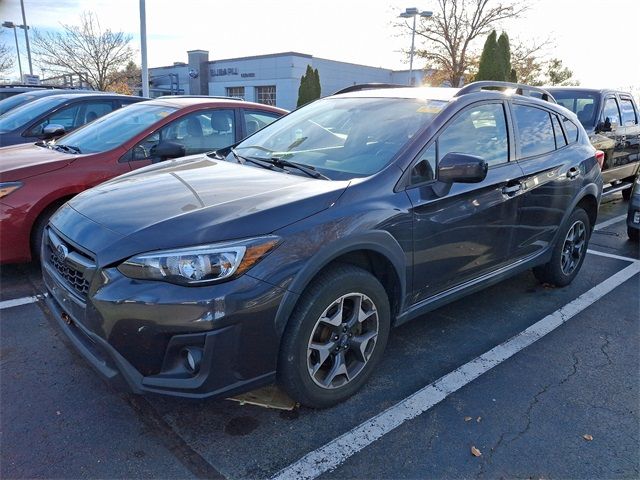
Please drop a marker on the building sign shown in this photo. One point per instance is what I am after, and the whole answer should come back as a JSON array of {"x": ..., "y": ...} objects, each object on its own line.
[
  {"x": 228, "y": 71},
  {"x": 223, "y": 72}
]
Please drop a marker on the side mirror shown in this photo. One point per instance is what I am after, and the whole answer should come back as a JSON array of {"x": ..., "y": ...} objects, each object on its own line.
[
  {"x": 462, "y": 168},
  {"x": 167, "y": 150},
  {"x": 53, "y": 130}
]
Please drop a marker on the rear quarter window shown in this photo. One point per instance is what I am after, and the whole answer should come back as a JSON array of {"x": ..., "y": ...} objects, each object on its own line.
[{"x": 571, "y": 129}]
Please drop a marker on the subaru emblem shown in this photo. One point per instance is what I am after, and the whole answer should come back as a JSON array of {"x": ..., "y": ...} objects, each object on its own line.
[{"x": 62, "y": 253}]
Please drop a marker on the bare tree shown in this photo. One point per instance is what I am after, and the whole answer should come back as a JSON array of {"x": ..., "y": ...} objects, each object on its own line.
[
  {"x": 527, "y": 60},
  {"x": 85, "y": 50},
  {"x": 6, "y": 58},
  {"x": 452, "y": 29}
]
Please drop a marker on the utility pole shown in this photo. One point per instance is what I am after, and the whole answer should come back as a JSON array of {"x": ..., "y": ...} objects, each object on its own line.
[
  {"x": 143, "y": 49},
  {"x": 26, "y": 36}
]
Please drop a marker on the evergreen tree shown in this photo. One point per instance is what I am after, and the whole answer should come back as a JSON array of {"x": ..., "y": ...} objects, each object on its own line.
[
  {"x": 317, "y": 88},
  {"x": 487, "y": 66},
  {"x": 513, "y": 76},
  {"x": 503, "y": 59},
  {"x": 309, "y": 89}
]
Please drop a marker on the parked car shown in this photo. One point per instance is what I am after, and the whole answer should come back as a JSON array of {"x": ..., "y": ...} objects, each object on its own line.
[
  {"x": 7, "y": 91},
  {"x": 36, "y": 179},
  {"x": 633, "y": 217},
  {"x": 611, "y": 118},
  {"x": 23, "y": 98},
  {"x": 290, "y": 256},
  {"x": 51, "y": 117}
]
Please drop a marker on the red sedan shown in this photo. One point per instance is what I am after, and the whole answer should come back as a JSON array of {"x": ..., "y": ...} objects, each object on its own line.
[{"x": 35, "y": 179}]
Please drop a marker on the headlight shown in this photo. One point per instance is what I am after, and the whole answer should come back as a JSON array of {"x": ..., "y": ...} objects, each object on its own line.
[
  {"x": 7, "y": 187},
  {"x": 199, "y": 265}
]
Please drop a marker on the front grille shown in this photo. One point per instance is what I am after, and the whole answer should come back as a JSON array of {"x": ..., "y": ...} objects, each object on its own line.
[
  {"x": 74, "y": 278},
  {"x": 74, "y": 266}
]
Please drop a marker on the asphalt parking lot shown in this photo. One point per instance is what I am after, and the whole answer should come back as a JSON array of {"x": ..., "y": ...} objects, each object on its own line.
[{"x": 561, "y": 400}]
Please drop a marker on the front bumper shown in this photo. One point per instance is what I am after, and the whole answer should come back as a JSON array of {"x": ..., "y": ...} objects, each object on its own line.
[
  {"x": 133, "y": 332},
  {"x": 14, "y": 240}
]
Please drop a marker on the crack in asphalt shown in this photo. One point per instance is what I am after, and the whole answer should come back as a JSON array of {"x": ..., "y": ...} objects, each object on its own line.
[{"x": 532, "y": 404}]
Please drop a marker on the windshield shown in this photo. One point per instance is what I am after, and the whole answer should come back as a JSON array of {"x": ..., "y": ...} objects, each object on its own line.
[
  {"x": 24, "y": 114},
  {"x": 15, "y": 101},
  {"x": 583, "y": 103},
  {"x": 342, "y": 137},
  {"x": 115, "y": 128}
]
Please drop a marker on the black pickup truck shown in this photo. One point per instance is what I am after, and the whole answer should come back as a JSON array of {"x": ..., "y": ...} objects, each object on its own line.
[{"x": 612, "y": 120}]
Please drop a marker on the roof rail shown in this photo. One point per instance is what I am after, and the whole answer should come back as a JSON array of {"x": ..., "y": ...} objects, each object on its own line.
[
  {"x": 520, "y": 89},
  {"x": 368, "y": 86}
]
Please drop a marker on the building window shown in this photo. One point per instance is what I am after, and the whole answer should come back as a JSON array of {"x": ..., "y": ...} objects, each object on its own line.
[
  {"x": 235, "y": 92},
  {"x": 266, "y": 95}
]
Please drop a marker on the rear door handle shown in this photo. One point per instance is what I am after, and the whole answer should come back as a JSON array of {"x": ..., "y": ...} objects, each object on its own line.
[
  {"x": 512, "y": 189},
  {"x": 573, "y": 172}
]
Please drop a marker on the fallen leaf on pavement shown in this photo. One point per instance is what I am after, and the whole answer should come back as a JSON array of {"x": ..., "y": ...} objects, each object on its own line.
[
  {"x": 466, "y": 419},
  {"x": 478, "y": 419},
  {"x": 587, "y": 437},
  {"x": 475, "y": 452}
]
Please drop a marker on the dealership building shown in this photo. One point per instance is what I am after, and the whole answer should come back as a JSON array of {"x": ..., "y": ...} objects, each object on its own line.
[{"x": 272, "y": 79}]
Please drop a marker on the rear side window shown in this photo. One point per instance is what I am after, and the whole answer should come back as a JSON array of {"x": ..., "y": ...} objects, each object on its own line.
[
  {"x": 557, "y": 130},
  {"x": 610, "y": 114},
  {"x": 535, "y": 131},
  {"x": 629, "y": 114},
  {"x": 479, "y": 131}
]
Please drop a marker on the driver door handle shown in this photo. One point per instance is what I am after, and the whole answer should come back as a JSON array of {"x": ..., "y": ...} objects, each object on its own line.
[{"x": 511, "y": 190}]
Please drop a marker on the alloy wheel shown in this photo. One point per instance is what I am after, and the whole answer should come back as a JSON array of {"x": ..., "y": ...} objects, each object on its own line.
[
  {"x": 573, "y": 247},
  {"x": 342, "y": 340}
]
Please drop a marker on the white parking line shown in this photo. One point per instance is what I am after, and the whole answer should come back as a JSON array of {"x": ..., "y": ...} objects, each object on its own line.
[
  {"x": 16, "y": 302},
  {"x": 610, "y": 222},
  {"x": 334, "y": 453},
  {"x": 611, "y": 255}
]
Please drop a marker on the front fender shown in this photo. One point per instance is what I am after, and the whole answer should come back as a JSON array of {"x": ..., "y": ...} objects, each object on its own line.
[{"x": 379, "y": 241}]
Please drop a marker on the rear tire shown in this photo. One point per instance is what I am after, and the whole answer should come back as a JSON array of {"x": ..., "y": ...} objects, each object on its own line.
[
  {"x": 335, "y": 337},
  {"x": 626, "y": 193},
  {"x": 634, "y": 234},
  {"x": 568, "y": 252}
]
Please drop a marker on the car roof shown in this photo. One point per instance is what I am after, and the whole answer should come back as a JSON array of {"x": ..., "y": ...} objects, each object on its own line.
[
  {"x": 584, "y": 89},
  {"x": 94, "y": 94},
  {"x": 429, "y": 93},
  {"x": 183, "y": 101}
]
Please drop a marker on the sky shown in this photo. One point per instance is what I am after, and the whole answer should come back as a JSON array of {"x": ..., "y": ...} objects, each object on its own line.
[{"x": 598, "y": 40}]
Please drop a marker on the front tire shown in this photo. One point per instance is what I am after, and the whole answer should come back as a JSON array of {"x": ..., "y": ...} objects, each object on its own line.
[
  {"x": 335, "y": 337},
  {"x": 634, "y": 234},
  {"x": 38, "y": 229},
  {"x": 568, "y": 252}
]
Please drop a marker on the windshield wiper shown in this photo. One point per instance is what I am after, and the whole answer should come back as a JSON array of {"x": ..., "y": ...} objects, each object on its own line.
[
  {"x": 281, "y": 163},
  {"x": 259, "y": 162},
  {"x": 309, "y": 170},
  {"x": 68, "y": 148}
]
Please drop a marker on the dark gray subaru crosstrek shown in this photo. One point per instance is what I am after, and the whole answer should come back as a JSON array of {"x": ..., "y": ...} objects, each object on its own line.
[{"x": 290, "y": 256}]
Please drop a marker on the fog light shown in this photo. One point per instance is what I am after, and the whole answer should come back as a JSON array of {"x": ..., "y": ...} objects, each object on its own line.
[{"x": 192, "y": 357}]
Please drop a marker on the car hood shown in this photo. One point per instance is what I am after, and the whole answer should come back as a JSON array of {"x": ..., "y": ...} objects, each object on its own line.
[
  {"x": 198, "y": 200},
  {"x": 23, "y": 161}
]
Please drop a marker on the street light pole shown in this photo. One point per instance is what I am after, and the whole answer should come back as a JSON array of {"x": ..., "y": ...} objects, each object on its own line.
[
  {"x": 413, "y": 13},
  {"x": 412, "y": 81},
  {"x": 15, "y": 34},
  {"x": 143, "y": 49},
  {"x": 26, "y": 36}
]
